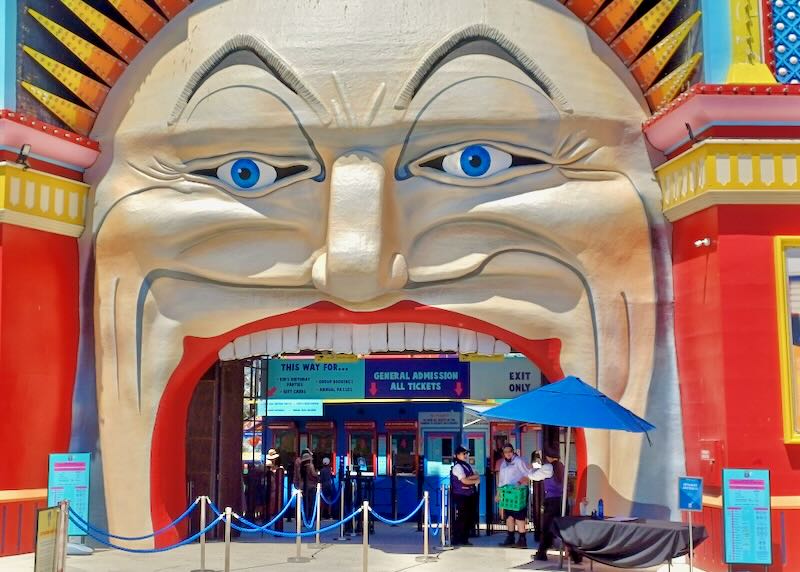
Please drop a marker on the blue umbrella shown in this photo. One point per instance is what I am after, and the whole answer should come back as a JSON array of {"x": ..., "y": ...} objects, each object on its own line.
[{"x": 570, "y": 403}]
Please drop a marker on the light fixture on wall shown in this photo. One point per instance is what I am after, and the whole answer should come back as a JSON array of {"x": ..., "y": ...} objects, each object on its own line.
[
  {"x": 702, "y": 242},
  {"x": 22, "y": 156}
]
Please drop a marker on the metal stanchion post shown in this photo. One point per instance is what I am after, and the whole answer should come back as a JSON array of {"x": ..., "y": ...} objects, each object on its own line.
[
  {"x": 61, "y": 539},
  {"x": 299, "y": 520},
  {"x": 317, "y": 543},
  {"x": 203, "y": 503},
  {"x": 691, "y": 545},
  {"x": 365, "y": 534},
  {"x": 426, "y": 525},
  {"x": 341, "y": 515},
  {"x": 441, "y": 525},
  {"x": 228, "y": 539},
  {"x": 443, "y": 522}
]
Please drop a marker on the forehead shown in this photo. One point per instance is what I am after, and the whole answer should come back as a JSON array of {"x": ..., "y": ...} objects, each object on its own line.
[{"x": 361, "y": 53}]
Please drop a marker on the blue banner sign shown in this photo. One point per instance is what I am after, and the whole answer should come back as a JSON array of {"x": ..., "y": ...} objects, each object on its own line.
[
  {"x": 690, "y": 494},
  {"x": 746, "y": 509},
  {"x": 416, "y": 379},
  {"x": 68, "y": 479},
  {"x": 307, "y": 379}
]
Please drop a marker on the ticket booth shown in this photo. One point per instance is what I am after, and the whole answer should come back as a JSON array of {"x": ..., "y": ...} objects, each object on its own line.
[
  {"x": 531, "y": 438},
  {"x": 362, "y": 446},
  {"x": 285, "y": 442},
  {"x": 403, "y": 447},
  {"x": 439, "y": 450},
  {"x": 322, "y": 442},
  {"x": 501, "y": 433}
]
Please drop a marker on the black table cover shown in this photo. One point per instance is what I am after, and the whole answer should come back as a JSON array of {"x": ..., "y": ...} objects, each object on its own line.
[{"x": 635, "y": 544}]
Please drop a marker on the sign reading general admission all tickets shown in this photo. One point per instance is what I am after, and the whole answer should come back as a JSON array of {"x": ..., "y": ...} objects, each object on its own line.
[{"x": 746, "y": 508}]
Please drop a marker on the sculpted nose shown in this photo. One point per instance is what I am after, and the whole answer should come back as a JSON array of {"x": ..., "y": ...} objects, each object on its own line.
[{"x": 358, "y": 263}]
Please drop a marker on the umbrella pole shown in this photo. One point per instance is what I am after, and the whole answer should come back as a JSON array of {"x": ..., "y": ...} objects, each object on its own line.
[
  {"x": 566, "y": 475},
  {"x": 562, "y": 551}
]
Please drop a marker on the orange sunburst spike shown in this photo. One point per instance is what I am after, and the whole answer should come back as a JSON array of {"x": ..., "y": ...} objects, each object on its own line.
[
  {"x": 584, "y": 9},
  {"x": 125, "y": 43},
  {"x": 647, "y": 67},
  {"x": 142, "y": 17},
  {"x": 609, "y": 23},
  {"x": 79, "y": 119},
  {"x": 91, "y": 92},
  {"x": 665, "y": 91},
  {"x": 172, "y": 8},
  {"x": 107, "y": 67},
  {"x": 633, "y": 40}
]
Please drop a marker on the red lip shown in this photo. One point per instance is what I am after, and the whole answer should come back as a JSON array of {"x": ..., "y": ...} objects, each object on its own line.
[{"x": 168, "y": 454}]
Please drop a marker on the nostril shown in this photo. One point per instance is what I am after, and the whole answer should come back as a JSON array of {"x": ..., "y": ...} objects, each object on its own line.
[{"x": 399, "y": 272}]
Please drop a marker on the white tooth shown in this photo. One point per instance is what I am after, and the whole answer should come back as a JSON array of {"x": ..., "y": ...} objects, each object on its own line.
[
  {"x": 274, "y": 341},
  {"x": 343, "y": 338},
  {"x": 396, "y": 337},
  {"x": 258, "y": 343},
  {"x": 501, "y": 348},
  {"x": 307, "y": 337},
  {"x": 324, "y": 337},
  {"x": 241, "y": 347},
  {"x": 414, "y": 335},
  {"x": 431, "y": 339},
  {"x": 377, "y": 338},
  {"x": 449, "y": 339},
  {"x": 290, "y": 340},
  {"x": 467, "y": 341},
  {"x": 360, "y": 338},
  {"x": 485, "y": 344},
  {"x": 227, "y": 353}
]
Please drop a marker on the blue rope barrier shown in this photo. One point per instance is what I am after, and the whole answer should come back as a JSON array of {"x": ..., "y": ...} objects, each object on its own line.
[
  {"x": 328, "y": 528},
  {"x": 400, "y": 521},
  {"x": 336, "y": 498},
  {"x": 151, "y": 535},
  {"x": 275, "y": 519},
  {"x": 313, "y": 514},
  {"x": 148, "y": 550}
]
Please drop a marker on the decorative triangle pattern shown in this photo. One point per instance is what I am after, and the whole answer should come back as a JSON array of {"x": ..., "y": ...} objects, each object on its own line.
[
  {"x": 647, "y": 67},
  {"x": 91, "y": 92},
  {"x": 632, "y": 41},
  {"x": 79, "y": 119},
  {"x": 126, "y": 44},
  {"x": 613, "y": 18},
  {"x": 142, "y": 17},
  {"x": 668, "y": 88}
]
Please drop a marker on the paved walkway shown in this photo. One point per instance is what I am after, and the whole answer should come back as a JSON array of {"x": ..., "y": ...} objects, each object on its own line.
[{"x": 391, "y": 550}]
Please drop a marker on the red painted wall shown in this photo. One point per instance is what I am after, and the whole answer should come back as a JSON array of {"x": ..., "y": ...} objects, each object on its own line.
[
  {"x": 38, "y": 347},
  {"x": 727, "y": 344}
]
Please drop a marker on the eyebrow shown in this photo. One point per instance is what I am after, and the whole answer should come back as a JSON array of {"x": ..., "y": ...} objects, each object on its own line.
[
  {"x": 474, "y": 34},
  {"x": 276, "y": 65}
]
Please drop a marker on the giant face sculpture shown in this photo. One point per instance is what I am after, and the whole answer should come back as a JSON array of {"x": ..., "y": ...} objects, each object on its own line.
[{"x": 458, "y": 163}]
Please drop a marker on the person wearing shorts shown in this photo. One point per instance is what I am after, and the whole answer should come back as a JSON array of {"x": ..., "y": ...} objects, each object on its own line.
[{"x": 513, "y": 471}]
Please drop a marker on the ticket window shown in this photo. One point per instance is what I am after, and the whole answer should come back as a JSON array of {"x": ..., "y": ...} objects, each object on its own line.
[
  {"x": 531, "y": 441},
  {"x": 362, "y": 446},
  {"x": 322, "y": 437},
  {"x": 403, "y": 447},
  {"x": 285, "y": 442},
  {"x": 501, "y": 433},
  {"x": 439, "y": 450},
  {"x": 476, "y": 443}
]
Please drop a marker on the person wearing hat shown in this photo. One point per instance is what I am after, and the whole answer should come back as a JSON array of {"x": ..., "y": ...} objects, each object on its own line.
[
  {"x": 328, "y": 487},
  {"x": 513, "y": 471},
  {"x": 552, "y": 473},
  {"x": 273, "y": 481},
  {"x": 464, "y": 494},
  {"x": 309, "y": 477}
]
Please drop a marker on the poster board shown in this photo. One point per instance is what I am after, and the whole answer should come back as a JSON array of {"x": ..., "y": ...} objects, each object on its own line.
[
  {"x": 68, "y": 479},
  {"x": 690, "y": 494},
  {"x": 747, "y": 516},
  {"x": 47, "y": 534}
]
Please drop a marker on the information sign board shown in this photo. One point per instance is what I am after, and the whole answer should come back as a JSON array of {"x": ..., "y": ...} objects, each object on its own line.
[
  {"x": 746, "y": 509},
  {"x": 310, "y": 379},
  {"x": 294, "y": 408},
  {"x": 416, "y": 379},
  {"x": 47, "y": 523},
  {"x": 68, "y": 479},
  {"x": 690, "y": 494}
]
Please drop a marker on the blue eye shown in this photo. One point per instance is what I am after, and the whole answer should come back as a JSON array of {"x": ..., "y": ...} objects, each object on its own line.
[
  {"x": 248, "y": 174},
  {"x": 244, "y": 173},
  {"x": 475, "y": 161}
]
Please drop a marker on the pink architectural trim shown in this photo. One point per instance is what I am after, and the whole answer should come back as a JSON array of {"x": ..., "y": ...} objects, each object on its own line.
[
  {"x": 47, "y": 141},
  {"x": 705, "y": 106}
]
